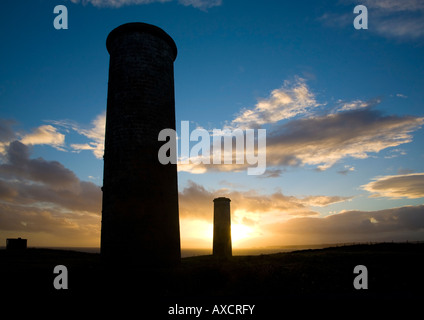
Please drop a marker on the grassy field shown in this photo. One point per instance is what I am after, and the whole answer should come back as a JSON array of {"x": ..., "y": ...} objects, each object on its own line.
[{"x": 395, "y": 275}]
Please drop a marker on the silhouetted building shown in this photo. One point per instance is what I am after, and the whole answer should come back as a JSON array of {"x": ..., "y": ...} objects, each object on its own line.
[
  {"x": 140, "y": 220},
  {"x": 222, "y": 228},
  {"x": 16, "y": 244}
]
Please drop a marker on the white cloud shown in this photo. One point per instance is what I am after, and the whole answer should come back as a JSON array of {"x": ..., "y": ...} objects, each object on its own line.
[
  {"x": 356, "y": 104},
  {"x": 200, "y": 4},
  {"x": 290, "y": 100},
  {"x": 402, "y": 27},
  {"x": 402, "y": 20},
  {"x": 45, "y": 134},
  {"x": 397, "y": 19},
  {"x": 394, "y": 153},
  {"x": 317, "y": 137},
  {"x": 395, "y": 5},
  {"x": 97, "y": 136},
  {"x": 50, "y": 135},
  {"x": 347, "y": 169},
  {"x": 323, "y": 141},
  {"x": 116, "y": 3},
  {"x": 322, "y": 201},
  {"x": 95, "y": 133}
]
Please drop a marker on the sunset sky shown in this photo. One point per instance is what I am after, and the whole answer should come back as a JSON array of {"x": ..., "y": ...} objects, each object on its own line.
[{"x": 343, "y": 109}]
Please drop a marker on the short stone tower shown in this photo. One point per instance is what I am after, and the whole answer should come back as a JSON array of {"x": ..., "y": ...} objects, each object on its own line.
[
  {"x": 222, "y": 247},
  {"x": 140, "y": 222}
]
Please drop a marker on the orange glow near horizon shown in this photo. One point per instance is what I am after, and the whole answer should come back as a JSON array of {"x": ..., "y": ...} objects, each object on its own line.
[
  {"x": 199, "y": 234},
  {"x": 240, "y": 232}
]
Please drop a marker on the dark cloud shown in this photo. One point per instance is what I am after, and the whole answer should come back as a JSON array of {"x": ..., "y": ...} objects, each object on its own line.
[
  {"x": 404, "y": 171},
  {"x": 272, "y": 217},
  {"x": 20, "y": 167},
  {"x": 6, "y": 132},
  {"x": 195, "y": 201},
  {"x": 271, "y": 173},
  {"x": 85, "y": 198},
  {"x": 39, "y": 196},
  {"x": 324, "y": 140},
  {"x": 399, "y": 224},
  {"x": 398, "y": 186},
  {"x": 347, "y": 169},
  {"x": 44, "y": 226}
]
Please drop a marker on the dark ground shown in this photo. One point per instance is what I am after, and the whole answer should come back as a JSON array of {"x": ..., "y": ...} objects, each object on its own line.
[{"x": 308, "y": 281}]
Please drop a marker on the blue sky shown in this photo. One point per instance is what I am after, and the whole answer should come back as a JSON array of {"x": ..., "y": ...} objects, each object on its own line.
[{"x": 349, "y": 152}]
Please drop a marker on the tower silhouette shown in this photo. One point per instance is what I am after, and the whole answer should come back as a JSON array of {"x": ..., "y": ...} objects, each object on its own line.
[
  {"x": 140, "y": 222},
  {"x": 222, "y": 247}
]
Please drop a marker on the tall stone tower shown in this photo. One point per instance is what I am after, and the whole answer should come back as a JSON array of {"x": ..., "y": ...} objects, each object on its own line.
[
  {"x": 140, "y": 222},
  {"x": 222, "y": 228}
]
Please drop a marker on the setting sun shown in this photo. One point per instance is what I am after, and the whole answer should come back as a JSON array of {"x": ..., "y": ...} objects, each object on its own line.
[
  {"x": 199, "y": 234},
  {"x": 240, "y": 232}
]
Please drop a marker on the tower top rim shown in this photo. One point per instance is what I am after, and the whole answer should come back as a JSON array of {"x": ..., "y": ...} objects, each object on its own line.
[
  {"x": 142, "y": 28},
  {"x": 222, "y": 199}
]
